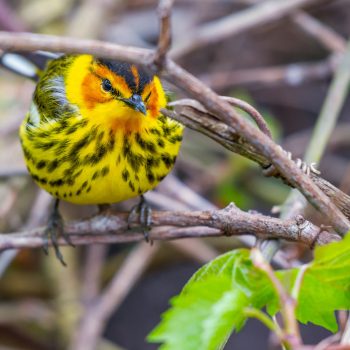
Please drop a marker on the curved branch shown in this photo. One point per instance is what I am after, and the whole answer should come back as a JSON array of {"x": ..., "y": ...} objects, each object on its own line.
[
  {"x": 193, "y": 86},
  {"x": 235, "y": 102},
  {"x": 192, "y": 114}
]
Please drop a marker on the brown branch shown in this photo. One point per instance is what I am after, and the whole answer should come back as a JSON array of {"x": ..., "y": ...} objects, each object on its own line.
[
  {"x": 167, "y": 225},
  {"x": 291, "y": 74},
  {"x": 164, "y": 13},
  {"x": 95, "y": 256},
  {"x": 93, "y": 323},
  {"x": 31, "y": 42},
  {"x": 37, "y": 216},
  {"x": 235, "y": 102},
  {"x": 93, "y": 264},
  {"x": 246, "y": 107},
  {"x": 325, "y": 35},
  {"x": 202, "y": 93},
  {"x": 261, "y": 142},
  {"x": 236, "y": 23},
  {"x": 194, "y": 115},
  {"x": 173, "y": 194}
]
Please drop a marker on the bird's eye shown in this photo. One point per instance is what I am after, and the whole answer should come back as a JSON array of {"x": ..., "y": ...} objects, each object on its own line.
[
  {"x": 106, "y": 85},
  {"x": 148, "y": 96}
]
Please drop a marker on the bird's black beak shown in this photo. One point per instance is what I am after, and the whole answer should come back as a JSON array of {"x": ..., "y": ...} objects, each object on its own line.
[{"x": 135, "y": 102}]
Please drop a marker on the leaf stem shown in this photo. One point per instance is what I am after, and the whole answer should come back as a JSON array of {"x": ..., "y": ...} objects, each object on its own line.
[
  {"x": 266, "y": 320},
  {"x": 291, "y": 337}
]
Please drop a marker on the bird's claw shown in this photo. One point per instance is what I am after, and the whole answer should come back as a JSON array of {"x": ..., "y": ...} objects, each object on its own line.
[
  {"x": 306, "y": 168},
  {"x": 144, "y": 211},
  {"x": 53, "y": 231}
]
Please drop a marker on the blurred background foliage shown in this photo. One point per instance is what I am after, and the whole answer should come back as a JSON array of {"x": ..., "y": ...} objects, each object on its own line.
[{"x": 40, "y": 301}]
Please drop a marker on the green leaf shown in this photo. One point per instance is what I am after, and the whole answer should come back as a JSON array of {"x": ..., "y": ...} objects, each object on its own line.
[
  {"x": 201, "y": 318},
  {"x": 214, "y": 301},
  {"x": 226, "y": 315},
  {"x": 212, "y": 304},
  {"x": 325, "y": 286}
]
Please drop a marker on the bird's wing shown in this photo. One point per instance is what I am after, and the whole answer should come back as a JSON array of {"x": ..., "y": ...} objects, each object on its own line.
[{"x": 27, "y": 64}]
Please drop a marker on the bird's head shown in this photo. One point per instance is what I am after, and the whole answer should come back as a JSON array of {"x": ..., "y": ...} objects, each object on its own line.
[{"x": 118, "y": 93}]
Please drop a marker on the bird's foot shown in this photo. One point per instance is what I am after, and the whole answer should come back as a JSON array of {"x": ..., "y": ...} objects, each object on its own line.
[
  {"x": 307, "y": 169},
  {"x": 53, "y": 231},
  {"x": 104, "y": 208},
  {"x": 144, "y": 211}
]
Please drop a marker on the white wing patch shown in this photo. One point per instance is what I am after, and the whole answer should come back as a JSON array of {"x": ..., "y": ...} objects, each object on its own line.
[
  {"x": 19, "y": 64},
  {"x": 34, "y": 116},
  {"x": 55, "y": 89}
]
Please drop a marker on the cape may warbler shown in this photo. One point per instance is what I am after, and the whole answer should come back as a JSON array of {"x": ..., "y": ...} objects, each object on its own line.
[{"x": 94, "y": 133}]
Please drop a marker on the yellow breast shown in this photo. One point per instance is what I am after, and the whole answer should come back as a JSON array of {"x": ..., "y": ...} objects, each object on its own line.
[{"x": 86, "y": 164}]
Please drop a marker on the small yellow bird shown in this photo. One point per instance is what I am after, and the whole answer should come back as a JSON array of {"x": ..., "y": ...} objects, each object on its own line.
[{"x": 94, "y": 133}]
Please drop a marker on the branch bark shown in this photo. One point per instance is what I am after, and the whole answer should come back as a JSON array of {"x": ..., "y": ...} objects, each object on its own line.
[
  {"x": 195, "y": 116},
  {"x": 168, "y": 225},
  {"x": 184, "y": 80}
]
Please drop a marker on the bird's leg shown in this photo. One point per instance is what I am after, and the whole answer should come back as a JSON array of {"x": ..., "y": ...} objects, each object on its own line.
[
  {"x": 53, "y": 231},
  {"x": 103, "y": 208},
  {"x": 145, "y": 216}
]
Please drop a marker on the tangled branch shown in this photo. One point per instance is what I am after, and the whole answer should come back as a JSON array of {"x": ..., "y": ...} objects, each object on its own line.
[{"x": 210, "y": 100}]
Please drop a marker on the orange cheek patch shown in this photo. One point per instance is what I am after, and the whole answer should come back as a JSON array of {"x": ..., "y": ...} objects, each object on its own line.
[
  {"x": 152, "y": 105},
  {"x": 92, "y": 93}
]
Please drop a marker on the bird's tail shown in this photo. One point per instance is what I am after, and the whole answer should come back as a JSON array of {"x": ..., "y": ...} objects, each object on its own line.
[{"x": 26, "y": 64}]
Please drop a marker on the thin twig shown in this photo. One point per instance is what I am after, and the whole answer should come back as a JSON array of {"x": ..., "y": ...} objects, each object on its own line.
[
  {"x": 346, "y": 335},
  {"x": 257, "y": 117},
  {"x": 296, "y": 203},
  {"x": 293, "y": 74},
  {"x": 186, "y": 197},
  {"x": 204, "y": 122},
  {"x": 228, "y": 221},
  {"x": 113, "y": 295},
  {"x": 325, "y": 125},
  {"x": 236, "y": 23},
  {"x": 330, "y": 110},
  {"x": 235, "y": 102},
  {"x": 261, "y": 142},
  {"x": 36, "y": 217},
  {"x": 196, "y": 249},
  {"x": 209, "y": 99},
  {"x": 94, "y": 260},
  {"x": 164, "y": 42},
  {"x": 331, "y": 40},
  {"x": 325, "y": 343},
  {"x": 90, "y": 291},
  {"x": 33, "y": 42}
]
